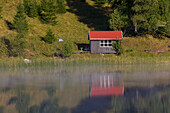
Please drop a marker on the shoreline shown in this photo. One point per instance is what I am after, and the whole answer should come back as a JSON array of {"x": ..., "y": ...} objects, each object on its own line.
[{"x": 81, "y": 59}]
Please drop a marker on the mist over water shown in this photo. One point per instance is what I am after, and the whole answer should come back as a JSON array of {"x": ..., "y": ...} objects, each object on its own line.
[{"x": 86, "y": 89}]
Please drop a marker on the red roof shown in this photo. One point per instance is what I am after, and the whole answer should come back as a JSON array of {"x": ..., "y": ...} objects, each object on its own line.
[
  {"x": 114, "y": 90},
  {"x": 105, "y": 35}
]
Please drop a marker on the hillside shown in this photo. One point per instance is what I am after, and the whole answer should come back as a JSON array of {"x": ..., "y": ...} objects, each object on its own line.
[{"x": 73, "y": 26}]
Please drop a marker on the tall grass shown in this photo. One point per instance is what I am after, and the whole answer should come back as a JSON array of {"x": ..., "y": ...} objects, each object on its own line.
[{"x": 84, "y": 59}]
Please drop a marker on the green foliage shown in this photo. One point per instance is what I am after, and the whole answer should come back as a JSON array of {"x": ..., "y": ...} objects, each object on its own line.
[
  {"x": 139, "y": 15},
  {"x": 33, "y": 9},
  {"x": 48, "y": 12},
  {"x": 20, "y": 22},
  {"x": 117, "y": 21},
  {"x": 144, "y": 15},
  {"x": 26, "y": 4},
  {"x": 67, "y": 49},
  {"x": 22, "y": 103},
  {"x": 3, "y": 49},
  {"x": 167, "y": 28},
  {"x": 101, "y": 1},
  {"x": 17, "y": 47},
  {"x": 0, "y": 12},
  {"x": 164, "y": 9},
  {"x": 61, "y": 8},
  {"x": 49, "y": 37},
  {"x": 118, "y": 47}
]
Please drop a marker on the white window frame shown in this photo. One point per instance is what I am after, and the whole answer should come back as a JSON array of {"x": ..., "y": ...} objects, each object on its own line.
[{"x": 106, "y": 43}]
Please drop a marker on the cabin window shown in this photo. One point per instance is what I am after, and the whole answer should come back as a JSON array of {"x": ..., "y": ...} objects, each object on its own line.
[{"x": 106, "y": 43}]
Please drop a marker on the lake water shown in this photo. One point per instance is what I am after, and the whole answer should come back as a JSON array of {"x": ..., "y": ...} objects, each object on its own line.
[{"x": 143, "y": 88}]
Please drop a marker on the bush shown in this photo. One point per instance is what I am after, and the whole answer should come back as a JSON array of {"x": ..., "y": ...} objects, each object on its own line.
[
  {"x": 118, "y": 47},
  {"x": 67, "y": 49}
]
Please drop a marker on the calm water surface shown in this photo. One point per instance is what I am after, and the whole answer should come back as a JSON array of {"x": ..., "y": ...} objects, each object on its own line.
[{"x": 86, "y": 89}]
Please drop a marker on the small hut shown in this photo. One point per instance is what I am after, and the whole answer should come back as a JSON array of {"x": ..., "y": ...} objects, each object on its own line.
[{"x": 101, "y": 41}]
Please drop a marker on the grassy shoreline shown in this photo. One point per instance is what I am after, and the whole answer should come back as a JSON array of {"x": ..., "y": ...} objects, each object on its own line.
[{"x": 82, "y": 59}]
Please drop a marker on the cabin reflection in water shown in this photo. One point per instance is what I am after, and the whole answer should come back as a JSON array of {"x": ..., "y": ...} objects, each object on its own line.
[{"x": 106, "y": 84}]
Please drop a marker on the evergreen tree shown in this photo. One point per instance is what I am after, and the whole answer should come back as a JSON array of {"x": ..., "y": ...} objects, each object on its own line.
[
  {"x": 20, "y": 22},
  {"x": 48, "y": 12},
  {"x": 49, "y": 38},
  {"x": 26, "y": 4},
  {"x": 0, "y": 12},
  {"x": 164, "y": 9},
  {"x": 33, "y": 9},
  {"x": 61, "y": 8}
]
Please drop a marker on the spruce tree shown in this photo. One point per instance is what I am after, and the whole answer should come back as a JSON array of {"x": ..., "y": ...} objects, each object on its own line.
[
  {"x": 0, "y": 12},
  {"x": 49, "y": 37},
  {"x": 20, "y": 22},
  {"x": 26, "y": 4},
  {"x": 33, "y": 9},
  {"x": 48, "y": 12}
]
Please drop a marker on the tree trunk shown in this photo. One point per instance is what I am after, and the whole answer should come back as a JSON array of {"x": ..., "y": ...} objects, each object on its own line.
[{"x": 136, "y": 30}]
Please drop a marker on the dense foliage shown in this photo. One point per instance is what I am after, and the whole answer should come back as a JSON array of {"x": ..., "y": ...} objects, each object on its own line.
[
  {"x": 0, "y": 12},
  {"x": 141, "y": 16},
  {"x": 118, "y": 47},
  {"x": 31, "y": 8},
  {"x": 20, "y": 22},
  {"x": 67, "y": 49}
]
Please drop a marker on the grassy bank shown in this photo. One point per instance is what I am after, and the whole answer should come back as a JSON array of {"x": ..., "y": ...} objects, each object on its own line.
[{"x": 82, "y": 59}]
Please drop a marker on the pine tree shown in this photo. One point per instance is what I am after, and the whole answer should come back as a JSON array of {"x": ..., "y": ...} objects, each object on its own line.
[
  {"x": 61, "y": 8},
  {"x": 20, "y": 22},
  {"x": 49, "y": 37},
  {"x": 48, "y": 12},
  {"x": 26, "y": 4},
  {"x": 0, "y": 12},
  {"x": 33, "y": 9}
]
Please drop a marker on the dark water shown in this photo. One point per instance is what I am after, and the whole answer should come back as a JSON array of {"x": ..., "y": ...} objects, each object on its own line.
[{"x": 86, "y": 89}]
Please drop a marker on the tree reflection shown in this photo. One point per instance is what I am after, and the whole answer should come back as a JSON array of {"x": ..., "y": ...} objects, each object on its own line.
[
  {"x": 22, "y": 103},
  {"x": 1, "y": 109}
]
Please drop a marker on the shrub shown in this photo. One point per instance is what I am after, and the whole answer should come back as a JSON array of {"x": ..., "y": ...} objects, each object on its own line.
[
  {"x": 118, "y": 47},
  {"x": 67, "y": 49}
]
